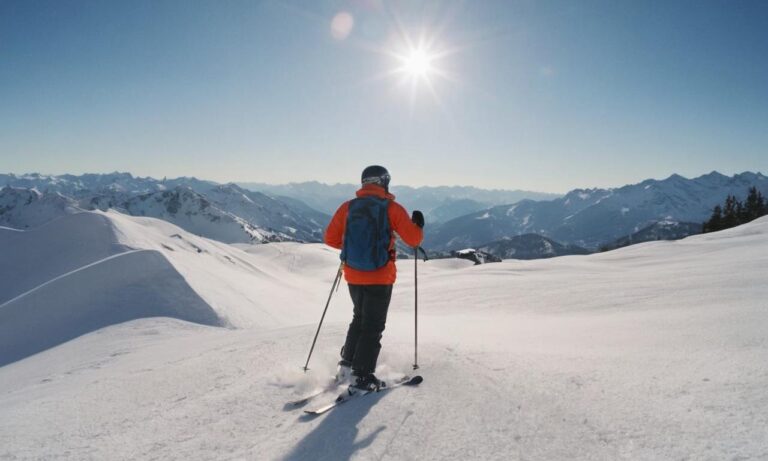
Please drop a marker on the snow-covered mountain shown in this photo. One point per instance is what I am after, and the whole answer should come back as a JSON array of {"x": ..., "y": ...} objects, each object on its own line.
[
  {"x": 292, "y": 218},
  {"x": 128, "y": 338},
  {"x": 220, "y": 211},
  {"x": 194, "y": 213},
  {"x": 662, "y": 230},
  {"x": 453, "y": 208},
  {"x": 325, "y": 198},
  {"x": 438, "y": 204},
  {"x": 24, "y": 208},
  {"x": 591, "y": 217},
  {"x": 530, "y": 246},
  {"x": 90, "y": 184}
]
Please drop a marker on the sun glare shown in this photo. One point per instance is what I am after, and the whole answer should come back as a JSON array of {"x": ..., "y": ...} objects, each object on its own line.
[{"x": 418, "y": 63}]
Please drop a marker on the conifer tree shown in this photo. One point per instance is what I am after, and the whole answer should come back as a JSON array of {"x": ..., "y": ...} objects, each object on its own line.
[
  {"x": 742, "y": 215},
  {"x": 715, "y": 222},
  {"x": 730, "y": 213},
  {"x": 735, "y": 212},
  {"x": 755, "y": 205}
]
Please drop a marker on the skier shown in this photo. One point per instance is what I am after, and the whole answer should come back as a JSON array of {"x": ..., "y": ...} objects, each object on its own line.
[{"x": 362, "y": 228}]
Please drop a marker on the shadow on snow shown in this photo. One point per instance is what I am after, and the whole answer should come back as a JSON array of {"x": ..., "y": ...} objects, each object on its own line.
[
  {"x": 335, "y": 436},
  {"x": 125, "y": 287}
]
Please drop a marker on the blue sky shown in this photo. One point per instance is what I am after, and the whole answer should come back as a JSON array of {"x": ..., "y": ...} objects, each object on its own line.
[{"x": 542, "y": 95}]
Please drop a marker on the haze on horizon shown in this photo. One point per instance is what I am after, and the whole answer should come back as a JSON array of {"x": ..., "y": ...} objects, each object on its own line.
[{"x": 542, "y": 96}]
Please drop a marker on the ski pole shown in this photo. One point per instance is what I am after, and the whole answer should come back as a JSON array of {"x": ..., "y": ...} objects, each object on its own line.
[
  {"x": 327, "y": 303},
  {"x": 416, "y": 304}
]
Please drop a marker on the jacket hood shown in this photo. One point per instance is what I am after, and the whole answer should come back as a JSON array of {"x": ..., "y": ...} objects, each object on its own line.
[{"x": 373, "y": 189}]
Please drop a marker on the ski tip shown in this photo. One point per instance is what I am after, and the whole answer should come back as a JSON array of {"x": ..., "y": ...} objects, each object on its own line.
[{"x": 415, "y": 380}]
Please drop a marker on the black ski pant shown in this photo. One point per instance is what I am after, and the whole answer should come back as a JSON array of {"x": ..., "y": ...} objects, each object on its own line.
[{"x": 368, "y": 320}]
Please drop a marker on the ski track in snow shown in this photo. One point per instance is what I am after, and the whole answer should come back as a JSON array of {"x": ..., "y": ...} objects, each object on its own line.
[
  {"x": 655, "y": 351},
  {"x": 87, "y": 266}
]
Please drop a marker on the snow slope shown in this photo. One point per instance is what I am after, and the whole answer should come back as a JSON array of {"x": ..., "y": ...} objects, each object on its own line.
[
  {"x": 88, "y": 270},
  {"x": 655, "y": 351}
]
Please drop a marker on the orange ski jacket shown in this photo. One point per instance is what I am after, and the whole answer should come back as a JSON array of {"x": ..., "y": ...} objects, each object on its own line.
[{"x": 399, "y": 222}]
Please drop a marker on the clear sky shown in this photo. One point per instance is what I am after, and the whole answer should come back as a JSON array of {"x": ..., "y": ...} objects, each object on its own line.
[{"x": 534, "y": 94}]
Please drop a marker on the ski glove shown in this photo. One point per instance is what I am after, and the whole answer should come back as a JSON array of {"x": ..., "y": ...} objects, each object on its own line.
[{"x": 417, "y": 218}]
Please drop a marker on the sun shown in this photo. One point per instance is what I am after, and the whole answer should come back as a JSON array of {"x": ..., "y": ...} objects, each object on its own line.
[{"x": 417, "y": 63}]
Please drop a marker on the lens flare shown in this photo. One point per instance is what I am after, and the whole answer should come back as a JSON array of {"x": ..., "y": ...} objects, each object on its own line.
[{"x": 341, "y": 25}]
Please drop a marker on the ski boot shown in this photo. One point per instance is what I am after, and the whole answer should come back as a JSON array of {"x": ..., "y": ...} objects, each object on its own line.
[
  {"x": 344, "y": 373},
  {"x": 366, "y": 383}
]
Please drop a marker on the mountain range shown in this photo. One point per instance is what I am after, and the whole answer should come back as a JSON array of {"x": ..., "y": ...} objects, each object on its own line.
[
  {"x": 582, "y": 220},
  {"x": 224, "y": 212},
  {"x": 591, "y": 217},
  {"x": 439, "y": 204}
]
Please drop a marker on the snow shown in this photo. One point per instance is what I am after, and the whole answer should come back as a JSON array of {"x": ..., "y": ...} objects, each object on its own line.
[
  {"x": 608, "y": 195},
  {"x": 586, "y": 217},
  {"x": 24, "y": 208},
  {"x": 654, "y": 351},
  {"x": 486, "y": 215},
  {"x": 624, "y": 210}
]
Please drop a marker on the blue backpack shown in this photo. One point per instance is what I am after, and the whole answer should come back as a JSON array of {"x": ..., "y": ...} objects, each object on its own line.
[{"x": 367, "y": 234}]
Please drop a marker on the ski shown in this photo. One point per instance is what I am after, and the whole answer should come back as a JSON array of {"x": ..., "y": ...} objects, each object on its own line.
[
  {"x": 333, "y": 385},
  {"x": 346, "y": 396},
  {"x": 307, "y": 398}
]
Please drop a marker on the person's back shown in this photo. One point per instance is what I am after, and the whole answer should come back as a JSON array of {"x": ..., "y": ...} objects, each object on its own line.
[{"x": 362, "y": 228}]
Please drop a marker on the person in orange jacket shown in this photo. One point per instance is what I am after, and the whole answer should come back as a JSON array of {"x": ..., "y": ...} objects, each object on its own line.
[{"x": 363, "y": 229}]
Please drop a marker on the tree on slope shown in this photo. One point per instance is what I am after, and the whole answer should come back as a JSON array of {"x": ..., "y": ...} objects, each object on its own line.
[
  {"x": 715, "y": 222},
  {"x": 755, "y": 206},
  {"x": 734, "y": 212}
]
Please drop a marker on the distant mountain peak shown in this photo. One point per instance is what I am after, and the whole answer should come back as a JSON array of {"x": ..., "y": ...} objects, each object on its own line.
[
  {"x": 593, "y": 217},
  {"x": 676, "y": 177},
  {"x": 713, "y": 174}
]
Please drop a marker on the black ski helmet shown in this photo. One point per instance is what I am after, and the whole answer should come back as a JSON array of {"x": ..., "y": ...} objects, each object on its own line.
[{"x": 376, "y": 174}]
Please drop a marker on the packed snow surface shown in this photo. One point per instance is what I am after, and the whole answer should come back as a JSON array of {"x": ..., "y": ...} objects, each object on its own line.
[{"x": 655, "y": 351}]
